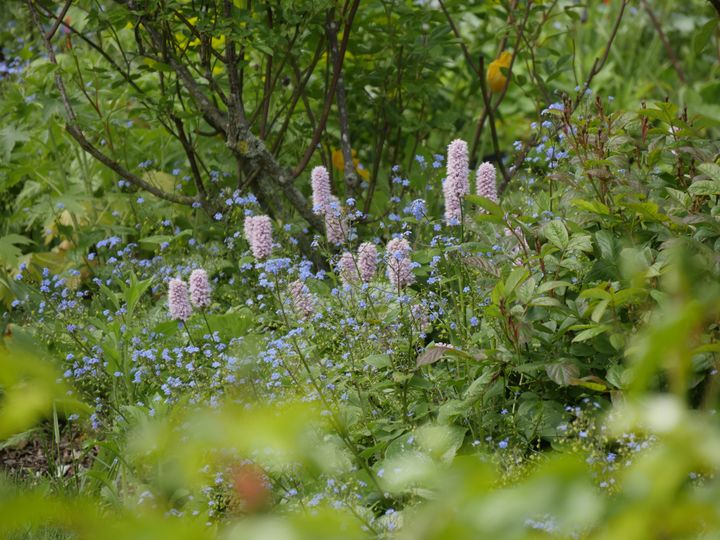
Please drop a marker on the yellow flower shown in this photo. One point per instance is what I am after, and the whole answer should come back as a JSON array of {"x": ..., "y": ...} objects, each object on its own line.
[
  {"x": 338, "y": 163},
  {"x": 495, "y": 77}
]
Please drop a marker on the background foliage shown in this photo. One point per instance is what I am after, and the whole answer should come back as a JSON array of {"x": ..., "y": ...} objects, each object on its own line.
[{"x": 552, "y": 370}]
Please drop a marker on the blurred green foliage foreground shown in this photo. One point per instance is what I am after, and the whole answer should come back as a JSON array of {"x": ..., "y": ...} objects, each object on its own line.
[{"x": 382, "y": 269}]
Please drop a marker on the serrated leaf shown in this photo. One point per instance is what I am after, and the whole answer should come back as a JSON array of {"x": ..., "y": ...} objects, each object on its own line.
[
  {"x": 526, "y": 290},
  {"x": 704, "y": 188},
  {"x": 9, "y": 252},
  {"x": 556, "y": 233},
  {"x": 712, "y": 170},
  {"x": 580, "y": 242}
]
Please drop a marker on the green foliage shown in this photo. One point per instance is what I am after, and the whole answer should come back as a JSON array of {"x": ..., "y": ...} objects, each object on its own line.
[{"x": 551, "y": 370}]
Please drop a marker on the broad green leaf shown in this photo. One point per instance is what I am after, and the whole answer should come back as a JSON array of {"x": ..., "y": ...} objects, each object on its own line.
[
  {"x": 712, "y": 170},
  {"x": 517, "y": 276},
  {"x": 556, "y": 233},
  {"x": 562, "y": 372},
  {"x": 701, "y": 188},
  {"x": 590, "y": 333},
  {"x": 489, "y": 206}
]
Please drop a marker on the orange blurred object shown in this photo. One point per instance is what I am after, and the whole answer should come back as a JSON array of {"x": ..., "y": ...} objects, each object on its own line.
[{"x": 251, "y": 487}]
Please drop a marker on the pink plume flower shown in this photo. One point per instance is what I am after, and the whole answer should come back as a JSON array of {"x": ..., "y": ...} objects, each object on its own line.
[
  {"x": 302, "y": 299},
  {"x": 248, "y": 227},
  {"x": 399, "y": 265},
  {"x": 348, "y": 269},
  {"x": 367, "y": 261},
  {"x": 200, "y": 289},
  {"x": 456, "y": 184},
  {"x": 486, "y": 183},
  {"x": 178, "y": 300},
  {"x": 320, "y": 181},
  {"x": 258, "y": 230},
  {"x": 335, "y": 223}
]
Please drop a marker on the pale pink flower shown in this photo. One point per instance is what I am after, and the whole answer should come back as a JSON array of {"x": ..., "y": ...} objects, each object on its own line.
[
  {"x": 486, "y": 182},
  {"x": 320, "y": 181},
  {"x": 200, "y": 289},
  {"x": 302, "y": 299},
  {"x": 248, "y": 227},
  {"x": 260, "y": 236},
  {"x": 399, "y": 265},
  {"x": 178, "y": 300},
  {"x": 367, "y": 261},
  {"x": 348, "y": 269},
  {"x": 456, "y": 184},
  {"x": 335, "y": 223}
]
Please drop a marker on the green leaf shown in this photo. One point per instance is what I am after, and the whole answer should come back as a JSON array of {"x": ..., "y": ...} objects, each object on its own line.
[
  {"x": 590, "y": 333},
  {"x": 233, "y": 323},
  {"x": 550, "y": 285},
  {"x": 701, "y": 38},
  {"x": 580, "y": 242},
  {"x": 606, "y": 243},
  {"x": 9, "y": 252},
  {"x": 517, "y": 276},
  {"x": 526, "y": 290},
  {"x": 440, "y": 441},
  {"x": 378, "y": 361},
  {"x": 595, "y": 207},
  {"x": 701, "y": 188},
  {"x": 562, "y": 372},
  {"x": 556, "y": 233},
  {"x": 9, "y": 136},
  {"x": 493, "y": 209},
  {"x": 544, "y": 301},
  {"x": 590, "y": 382},
  {"x": 599, "y": 310}
]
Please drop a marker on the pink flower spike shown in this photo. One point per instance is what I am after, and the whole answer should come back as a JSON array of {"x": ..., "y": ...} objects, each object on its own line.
[
  {"x": 336, "y": 228},
  {"x": 200, "y": 289},
  {"x": 399, "y": 265},
  {"x": 367, "y": 261},
  {"x": 302, "y": 299},
  {"x": 178, "y": 301},
  {"x": 320, "y": 181},
  {"x": 348, "y": 269},
  {"x": 261, "y": 237},
  {"x": 248, "y": 228},
  {"x": 486, "y": 182},
  {"x": 456, "y": 184}
]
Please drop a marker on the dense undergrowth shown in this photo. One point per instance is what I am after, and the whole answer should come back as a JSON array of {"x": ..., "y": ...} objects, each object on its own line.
[{"x": 509, "y": 349}]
